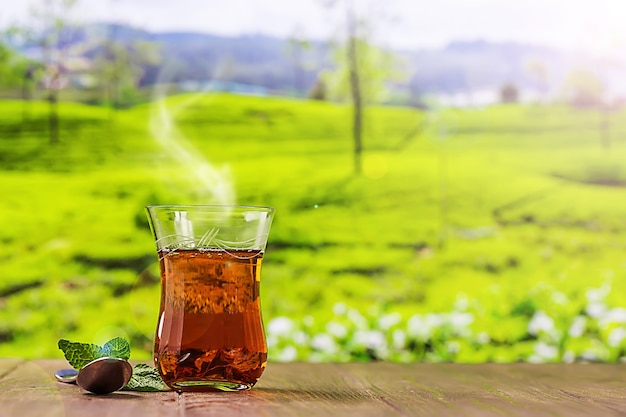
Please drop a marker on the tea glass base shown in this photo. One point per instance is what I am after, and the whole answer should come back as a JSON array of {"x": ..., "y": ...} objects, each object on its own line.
[{"x": 209, "y": 385}]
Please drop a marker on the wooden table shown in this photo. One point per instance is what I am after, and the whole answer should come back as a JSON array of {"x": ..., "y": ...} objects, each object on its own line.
[{"x": 28, "y": 388}]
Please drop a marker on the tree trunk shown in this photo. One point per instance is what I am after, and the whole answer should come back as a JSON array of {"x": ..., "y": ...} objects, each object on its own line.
[
  {"x": 355, "y": 89},
  {"x": 605, "y": 127},
  {"x": 297, "y": 73},
  {"x": 53, "y": 116},
  {"x": 27, "y": 92}
]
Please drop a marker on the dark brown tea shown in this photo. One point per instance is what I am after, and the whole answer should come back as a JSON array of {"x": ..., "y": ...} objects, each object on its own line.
[{"x": 210, "y": 331}]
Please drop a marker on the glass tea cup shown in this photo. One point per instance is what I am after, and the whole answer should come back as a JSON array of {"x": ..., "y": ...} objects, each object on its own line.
[{"x": 210, "y": 330}]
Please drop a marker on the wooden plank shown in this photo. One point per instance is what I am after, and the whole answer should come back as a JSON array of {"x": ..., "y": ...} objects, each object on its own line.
[
  {"x": 292, "y": 390},
  {"x": 496, "y": 390},
  {"x": 373, "y": 389},
  {"x": 31, "y": 390},
  {"x": 7, "y": 365}
]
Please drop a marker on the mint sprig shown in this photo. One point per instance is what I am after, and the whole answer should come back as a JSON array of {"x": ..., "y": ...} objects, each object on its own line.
[
  {"x": 117, "y": 348},
  {"x": 80, "y": 354},
  {"x": 144, "y": 378}
]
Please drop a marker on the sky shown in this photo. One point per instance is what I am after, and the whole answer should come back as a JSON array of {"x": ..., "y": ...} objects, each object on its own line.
[{"x": 589, "y": 25}]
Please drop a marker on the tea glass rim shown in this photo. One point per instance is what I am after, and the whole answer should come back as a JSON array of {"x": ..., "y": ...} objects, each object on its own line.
[{"x": 213, "y": 207}]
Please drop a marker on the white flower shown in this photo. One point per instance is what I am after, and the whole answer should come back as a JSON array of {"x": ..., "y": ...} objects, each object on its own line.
[
  {"x": 461, "y": 303},
  {"x": 336, "y": 329},
  {"x": 595, "y": 295},
  {"x": 559, "y": 298},
  {"x": 543, "y": 353},
  {"x": 453, "y": 346},
  {"x": 370, "y": 338},
  {"x": 280, "y": 326},
  {"x": 435, "y": 320},
  {"x": 355, "y": 317},
  {"x": 288, "y": 354},
  {"x": 417, "y": 327},
  {"x": 324, "y": 342},
  {"x": 614, "y": 315},
  {"x": 300, "y": 338},
  {"x": 590, "y": 355},
  {"x": 618, "y": 314},
  {"x": 616, "y": 336},
  {"x": 569, "y": 357},
  {"x": 540, "y": 322},
  {"x": 389, "y": 320},
  {"x": 339, "y": 309},
  {"x": 578, "y": 326},
  {"x": 596, "y": 309},
  {"x": 483, "y": 338},
  {"x": 271, "y": 340},
  {"x": 460, "y": 321},
  {"x": 399, "y": 338}
]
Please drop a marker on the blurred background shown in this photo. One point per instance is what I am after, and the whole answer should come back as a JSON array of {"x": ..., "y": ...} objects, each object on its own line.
[{"x": 448, "y": 176}]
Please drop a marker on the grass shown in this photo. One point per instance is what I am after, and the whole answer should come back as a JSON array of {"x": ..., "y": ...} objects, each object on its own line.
[{"x": 471, "y": 235}]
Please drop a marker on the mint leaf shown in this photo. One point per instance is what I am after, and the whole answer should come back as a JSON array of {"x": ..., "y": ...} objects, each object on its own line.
[
  {"x": 117, "y": 348},
  {"x": 145, "y": 378},
  {"x": 79, "y": 354}
]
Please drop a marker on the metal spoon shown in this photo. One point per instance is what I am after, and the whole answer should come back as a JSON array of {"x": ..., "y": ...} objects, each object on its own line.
[
  {"x": 66, "y": 375},
  {"x": 105, "y": 375},
  {"x": 100, "y": 376}
]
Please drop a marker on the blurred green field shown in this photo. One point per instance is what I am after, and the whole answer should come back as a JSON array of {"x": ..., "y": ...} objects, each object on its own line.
[{"x": 493, "y": 234}]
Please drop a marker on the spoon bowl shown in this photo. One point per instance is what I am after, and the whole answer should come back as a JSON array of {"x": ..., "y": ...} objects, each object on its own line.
[
  {"x": 66, "y": 375},
  {"x": 105, "y": 375}
]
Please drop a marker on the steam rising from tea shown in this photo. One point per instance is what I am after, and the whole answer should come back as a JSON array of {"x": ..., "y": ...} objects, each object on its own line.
[{"x": 210, "y": 184}]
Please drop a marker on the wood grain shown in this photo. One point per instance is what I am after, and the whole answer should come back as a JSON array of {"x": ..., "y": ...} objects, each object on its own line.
[
  {"x": 28, "y": 388},
  {"x": 490, "y": 389}
]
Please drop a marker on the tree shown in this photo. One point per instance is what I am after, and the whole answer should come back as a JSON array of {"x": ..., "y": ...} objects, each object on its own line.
[
  {"x": 119, "y": 66},
  {"x": 538, "y": 71},
  {"x": 354, "y": 59},
  {"x": 6, "y": 58},
  {"x": 16, "y": 70},
  {"x": 361, "y": 71},
  {"x": 319, "y": 89},
  {"x": 509, "y": 93},
  {"x": 296, "y": 46},
  {"x": 584, "y": 89},
  {"x": 53, "y": 33},
  {"x": 9, "y": 60}
]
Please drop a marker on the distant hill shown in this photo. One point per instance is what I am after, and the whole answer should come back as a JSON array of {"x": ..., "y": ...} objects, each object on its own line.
[
  {"x": 275, "y": 65},
  {"x": 258, "y": 60}
]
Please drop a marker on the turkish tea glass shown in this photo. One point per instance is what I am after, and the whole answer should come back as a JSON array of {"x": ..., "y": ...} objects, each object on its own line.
[{"x": 210, "y": 330}]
